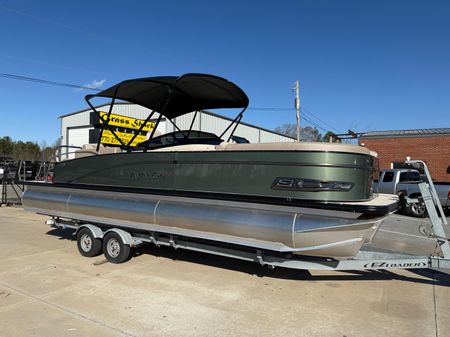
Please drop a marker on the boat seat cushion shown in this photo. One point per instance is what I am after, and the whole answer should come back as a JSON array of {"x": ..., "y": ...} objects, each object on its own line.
[
  {"x": 288, "y": 146},
  {"x": 294, "y": 146},
  {"x": 187, "y": 148},
  {"x": 90, "y": 150}
]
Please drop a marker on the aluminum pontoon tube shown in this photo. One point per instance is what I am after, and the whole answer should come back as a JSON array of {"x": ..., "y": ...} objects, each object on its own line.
[{"x": 278, "y": 228}]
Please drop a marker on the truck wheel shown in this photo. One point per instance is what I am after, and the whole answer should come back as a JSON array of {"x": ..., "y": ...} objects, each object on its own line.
[
  {"x": 114, "y": 249},
  {"x": 418, "y": 209},
  {"x": 87, "y": 244}
]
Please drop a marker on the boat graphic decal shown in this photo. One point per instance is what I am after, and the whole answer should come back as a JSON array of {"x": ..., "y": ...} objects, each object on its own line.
[
  {"x": 387, "y": 264},
  {"x": 310, "y": 185},
  {"x": 143, "y": 175}
]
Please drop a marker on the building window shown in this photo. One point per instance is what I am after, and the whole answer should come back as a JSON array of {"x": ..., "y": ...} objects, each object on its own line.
[{"x": 448, "y": 170}]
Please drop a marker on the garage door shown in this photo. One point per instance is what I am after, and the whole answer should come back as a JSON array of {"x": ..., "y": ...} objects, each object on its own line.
[{"x": 77, "y": 137}]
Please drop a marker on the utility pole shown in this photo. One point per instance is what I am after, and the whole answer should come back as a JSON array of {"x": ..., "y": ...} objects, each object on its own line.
[{"x": 297, "y": 109}]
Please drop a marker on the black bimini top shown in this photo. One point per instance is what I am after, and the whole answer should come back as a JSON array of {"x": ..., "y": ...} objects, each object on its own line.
[{"x": 173, "y": 96}]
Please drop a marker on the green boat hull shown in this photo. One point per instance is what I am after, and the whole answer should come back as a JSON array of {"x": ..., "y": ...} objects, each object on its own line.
[{"x": 251, "y": 174}]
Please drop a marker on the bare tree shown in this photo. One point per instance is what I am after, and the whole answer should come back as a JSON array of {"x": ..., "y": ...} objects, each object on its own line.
[{"x": 308, "y": 133}]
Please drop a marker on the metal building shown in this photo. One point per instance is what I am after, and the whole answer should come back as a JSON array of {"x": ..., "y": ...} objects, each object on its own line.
[{"x": 75, "y": 126}]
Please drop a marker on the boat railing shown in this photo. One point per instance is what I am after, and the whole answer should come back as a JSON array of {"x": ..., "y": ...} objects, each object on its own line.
[
  {"x": 58, "y": 156},
  {"x": 45, "y": 171},
  {"x": 63, "y": 152}
]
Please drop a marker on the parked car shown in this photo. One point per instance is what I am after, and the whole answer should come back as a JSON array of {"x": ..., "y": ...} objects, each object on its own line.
[{"x": 405, "y": 183}]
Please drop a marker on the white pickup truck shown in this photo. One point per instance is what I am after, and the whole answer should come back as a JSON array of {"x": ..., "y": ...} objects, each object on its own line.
[{"x": 404, "y": 182}]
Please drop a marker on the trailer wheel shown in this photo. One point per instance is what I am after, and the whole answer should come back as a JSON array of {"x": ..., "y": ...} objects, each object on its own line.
[
  {"x": 418, "y": 209},
  {"x": 114, "y": 249},
  {"x": 88, "y": 245}
]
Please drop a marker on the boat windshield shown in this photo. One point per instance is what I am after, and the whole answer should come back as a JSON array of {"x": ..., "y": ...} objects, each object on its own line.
[{"x": 180, "y": 138}]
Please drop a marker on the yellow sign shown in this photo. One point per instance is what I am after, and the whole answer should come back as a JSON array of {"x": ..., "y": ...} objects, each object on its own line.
[
  {"x": 125, "y": 122},
  {"x": 108, "y": 138}
]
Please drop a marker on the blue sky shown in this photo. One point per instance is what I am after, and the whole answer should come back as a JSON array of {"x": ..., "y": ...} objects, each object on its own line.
[{"x": 364, "y": 65}]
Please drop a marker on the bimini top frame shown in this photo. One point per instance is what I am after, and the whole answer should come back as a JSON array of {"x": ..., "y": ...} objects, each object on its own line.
[{"x": 173, "y": 96}]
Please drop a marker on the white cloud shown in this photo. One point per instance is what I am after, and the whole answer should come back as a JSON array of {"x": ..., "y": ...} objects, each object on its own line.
[{"x": 93, "y": 84}]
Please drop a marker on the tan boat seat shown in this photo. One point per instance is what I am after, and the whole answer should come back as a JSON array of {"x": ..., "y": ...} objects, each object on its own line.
[
  {"x": 303, "y": 146},
  {"x": 291, "y": 146},
  {"x": 90, "y": 150},
  {"x": 187, "y": 148}
]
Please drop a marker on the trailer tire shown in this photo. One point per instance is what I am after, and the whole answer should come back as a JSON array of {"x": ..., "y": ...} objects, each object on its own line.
[
  {"x": 114, "y": 249},
  {"x": 417, "y": 209},
  {"x": 87, "y": 244}
]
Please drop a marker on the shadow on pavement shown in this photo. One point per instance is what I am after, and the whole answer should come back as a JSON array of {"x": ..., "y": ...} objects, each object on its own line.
[
  {"x": 63, "y": 234},
  {"x": 424, "y": 276}
]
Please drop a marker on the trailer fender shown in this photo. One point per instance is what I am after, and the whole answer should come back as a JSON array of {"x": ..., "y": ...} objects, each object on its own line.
[
  {"x": 126, "y": 237},
  {"x": 96, "y": 232}
]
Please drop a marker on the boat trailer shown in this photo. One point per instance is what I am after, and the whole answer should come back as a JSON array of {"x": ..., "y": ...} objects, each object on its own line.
[{"x": 116, "y": 244}]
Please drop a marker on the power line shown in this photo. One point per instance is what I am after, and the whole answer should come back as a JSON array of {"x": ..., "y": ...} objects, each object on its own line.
[
  {"x": 314, "y": 116},
  {"x": 315, "y": 124},
  {"x": 306, "y": 116},
  {"x": 39, "y": 80}
]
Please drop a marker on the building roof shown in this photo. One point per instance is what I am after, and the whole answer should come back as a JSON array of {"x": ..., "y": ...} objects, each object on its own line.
[
  {"x": 203, "y": 111},
  {"x": 407, "y": 133}
]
